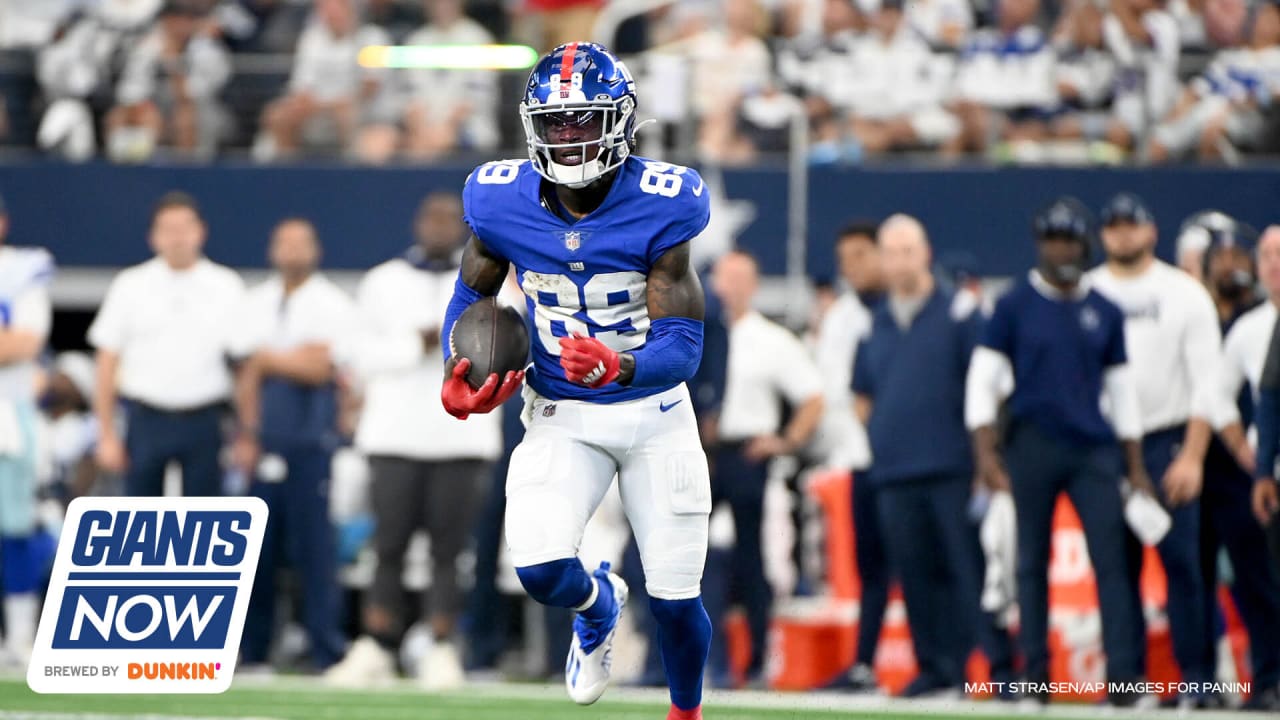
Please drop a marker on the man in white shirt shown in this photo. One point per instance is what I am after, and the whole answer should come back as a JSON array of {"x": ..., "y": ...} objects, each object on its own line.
[
  {"x": 287, "y": 404},
  {"x": 428, "y": 470},
  {"x": 767, "y": 366},
  {"x": 25, "y": 317},
  {"x": 161, "y": 341},
  {"x": 1173, "y": 343}
]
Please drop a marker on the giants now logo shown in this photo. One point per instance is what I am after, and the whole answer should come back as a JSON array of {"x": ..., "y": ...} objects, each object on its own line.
[{"x": 148, "y": 595}]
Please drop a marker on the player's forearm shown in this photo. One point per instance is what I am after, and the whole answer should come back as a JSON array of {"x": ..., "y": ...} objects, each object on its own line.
[
  {"x": 1195, "y": 441},
  {"x": 309, "y": 364},
  {"x": 248, "y": 397},
  {"x": 1137, "y": 468},
  {"x": 104, "y": 396},
  {"x": 481, "y": 275},
  {"x": 803, "y": 423},
  {"x": 1235, "y": 438},
  {"x": 862, "y": 407},
  {"x": 984, "y": 445},
  {"x": 19, "y": 346}
]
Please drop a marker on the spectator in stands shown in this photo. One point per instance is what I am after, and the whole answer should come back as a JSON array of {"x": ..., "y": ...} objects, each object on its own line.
[
  {"x": 160, "y": 336},
  {"x": 546, "y": 24},
  {"x": 813, "y": 65},
  {"x": 1005, "y": 83},
  {"x": 751, "y": 430},
  {"x": 1221, "y": 111},
  {"x": 329, "y": 86},
  {"x": 1143, "y": 38},
  {"x": 30, "y": 25},
  {"x": 1052, "y": 325},
  {"x": 428, "y": 470},
  {"x": 1085, "y": 72},
  {"x": 729, "y": 65},
  {"x": 896, "y": 86},
  {"x": 25, "y": 317},
  {"x": 259, "y": 26},
  {"x": 909, "y": 380},
  {"x": 287, "y": 406},
  {"x": 73, "y": 70},
  {"x": 1229, "y": 487},
  {"x": 446, "y": 110},
  {"x": 1173, "y": 345},
  {"x": 942, "y": 23},
  {"x": 168, "y": 91},
  {"x": 841, "y": 440}
]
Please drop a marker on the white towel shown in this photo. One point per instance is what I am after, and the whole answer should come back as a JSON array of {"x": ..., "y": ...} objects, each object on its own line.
[
  {"x": 1146, "y": 517},
  {"x": 999, "y": 537}
]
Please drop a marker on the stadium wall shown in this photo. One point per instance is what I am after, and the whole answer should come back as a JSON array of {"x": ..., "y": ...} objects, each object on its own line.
[{"x": 96, "y": 215}]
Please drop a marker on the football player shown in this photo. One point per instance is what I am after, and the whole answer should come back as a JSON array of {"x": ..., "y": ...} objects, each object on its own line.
[{"x": 600, "y": 242}]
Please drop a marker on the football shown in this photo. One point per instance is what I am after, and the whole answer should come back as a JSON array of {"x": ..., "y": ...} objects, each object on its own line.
[{"x": 493, "y": 337}]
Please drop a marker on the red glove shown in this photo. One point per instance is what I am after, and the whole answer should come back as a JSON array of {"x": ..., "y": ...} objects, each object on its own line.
[
  {"x": 588, "y": 361},
  {"x": 460, "y": 400}
]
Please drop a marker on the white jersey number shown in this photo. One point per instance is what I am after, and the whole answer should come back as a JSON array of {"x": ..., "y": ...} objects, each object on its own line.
[
  {"x": 661, "y": 178},
  {"x": 607, "y": 300},
  {"x": 499, "y": 172}
]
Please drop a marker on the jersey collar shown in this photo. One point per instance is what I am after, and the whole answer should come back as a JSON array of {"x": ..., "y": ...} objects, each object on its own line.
[{"x": 1043, "y": 287}]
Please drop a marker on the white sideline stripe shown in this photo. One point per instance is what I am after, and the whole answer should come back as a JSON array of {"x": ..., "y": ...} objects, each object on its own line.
[
  {"x": 292, "y": 692},
  {"x": 32, "y": 715}
]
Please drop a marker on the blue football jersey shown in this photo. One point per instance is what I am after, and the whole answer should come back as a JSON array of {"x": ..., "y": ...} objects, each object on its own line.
[{"x": 586, "y": 276}]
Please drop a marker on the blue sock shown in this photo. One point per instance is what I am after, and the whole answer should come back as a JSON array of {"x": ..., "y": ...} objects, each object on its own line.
[
  {"x": 684, "y": 633},
  {"x": 565, "y": 583},
  {"x": 19, "y": 567}
]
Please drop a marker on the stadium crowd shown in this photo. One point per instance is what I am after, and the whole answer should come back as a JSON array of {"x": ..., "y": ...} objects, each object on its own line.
[
  {"x": 1022, "y": 80},
  {"x": 388, "y": 513}
]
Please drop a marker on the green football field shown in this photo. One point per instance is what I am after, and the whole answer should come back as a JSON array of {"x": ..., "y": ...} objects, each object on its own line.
[{"x": 301, "y": 699}]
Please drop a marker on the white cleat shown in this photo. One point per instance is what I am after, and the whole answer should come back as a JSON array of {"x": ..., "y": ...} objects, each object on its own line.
[
  {"x": 441, "y": 669},
  {"x": 366, "y": 664},
  {"x": 586, "y": 670}
]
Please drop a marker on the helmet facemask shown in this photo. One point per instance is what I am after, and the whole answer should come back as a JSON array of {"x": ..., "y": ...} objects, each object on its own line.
[{"x": 592, "y": 135}]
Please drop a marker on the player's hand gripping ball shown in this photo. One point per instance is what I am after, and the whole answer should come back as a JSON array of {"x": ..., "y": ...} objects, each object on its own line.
[
  {"x": 490, "y": 345},
  {"x": 588, "y": 361}
]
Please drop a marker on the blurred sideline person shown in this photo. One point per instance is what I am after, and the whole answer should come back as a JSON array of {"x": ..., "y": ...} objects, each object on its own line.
[
  {"x": 1173, "y": 344},
  {"x": 1063, "y": 344},
  {"x": 428, "y": 470},
  {"x": 910, "y": 382},
  {"x": 287, "y": 405},
  {"x": 160, "y": 336},
  {"x": 844, "y": 325},
  {"x": 1230, "y": 489},
  {"x": 26, "y": 315},
  {"x": 767, "y": 365}
]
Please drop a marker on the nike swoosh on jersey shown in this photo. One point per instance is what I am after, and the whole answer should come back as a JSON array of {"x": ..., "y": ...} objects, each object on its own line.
[
  {"x": 665, "y": 407},
  {"x": 697, "y": 192}
]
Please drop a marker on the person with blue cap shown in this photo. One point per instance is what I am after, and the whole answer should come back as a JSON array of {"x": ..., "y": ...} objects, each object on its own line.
[
  {"x": 1063, "y": 345},
  {"x": 1173, "y": 344}
]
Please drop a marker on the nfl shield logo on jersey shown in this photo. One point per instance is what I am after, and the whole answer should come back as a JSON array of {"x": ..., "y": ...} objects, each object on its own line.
[{"x": 573, "y": 240}]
